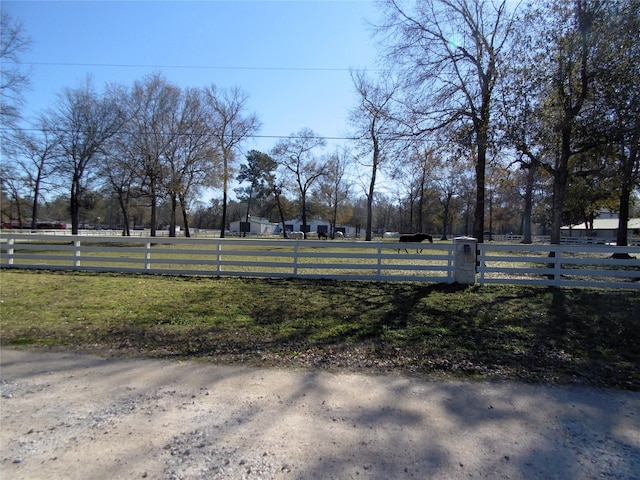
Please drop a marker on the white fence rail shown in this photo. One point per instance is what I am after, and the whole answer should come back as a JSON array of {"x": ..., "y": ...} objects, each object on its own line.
[
  {"x": 560, "y": 265},
  {"x": 553, "y": 265}
]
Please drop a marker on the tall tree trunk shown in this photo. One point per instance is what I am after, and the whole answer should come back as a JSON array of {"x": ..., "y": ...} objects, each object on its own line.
[
  {"x": 16, "y": 196},
  {"x": 421, "y": 206},
  {"x": 154, "y": 209},
  {"x": 247, "y": 225},
  {"x": 625, "y": 196},
  {"x": 560, "y": 178},
  {"x": 303, "y": 201},
  {"x": 225, "y": 184},
  {"x": 528, "y": 204},
  {"x": 571, "y": 109},
  {"x": 372, "y": 184},
  {"x": 284, "y": 226},
  {"x": 172, "y": 220},
  {"x": 74, "y": 206},
  {"x": 481, "y": 129},
  {"x": 185, "y": 216},
  {"x": 334, "y": 216},
  {"x": 445, "y": 214},
  {"x": 481, "y": 164},
  {"x": 126, "y": 232},
  {"x": 35, "y": 204}
]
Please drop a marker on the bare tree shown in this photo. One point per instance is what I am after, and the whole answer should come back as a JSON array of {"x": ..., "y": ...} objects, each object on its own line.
[
  {"x": 334, "y": 188},
  {"x": 124, "y": 170},
  {"x": 230, "y": 125},
  {"x": 12, "y": 193},
  {"x": 30, "y": 174},
  {"x": 450, "y": 53},
  {"x": 295, "y": 156},
  {"x": 13, "y": 79},
  {"x": 521, "y": 126},
  {"x": 122, "y": 177},
  {"x": 152, "y": 102},
  {"x": 83, "y": 122},
  {"x": 438, "y": 170},
  {"x": 376, "y": 128},
  {"x": 36, "y": 161},
  {"x": 189, "y": 155}
]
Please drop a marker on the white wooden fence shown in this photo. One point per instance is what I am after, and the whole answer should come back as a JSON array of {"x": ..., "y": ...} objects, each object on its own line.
[{"x": 552, "y": 265}]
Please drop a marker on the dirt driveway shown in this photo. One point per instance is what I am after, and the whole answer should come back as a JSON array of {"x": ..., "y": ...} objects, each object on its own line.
[{"x": 68, "y": 416}]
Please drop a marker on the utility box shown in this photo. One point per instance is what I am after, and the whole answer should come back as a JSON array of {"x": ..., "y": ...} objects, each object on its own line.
[{"x": 464, "y": 260}]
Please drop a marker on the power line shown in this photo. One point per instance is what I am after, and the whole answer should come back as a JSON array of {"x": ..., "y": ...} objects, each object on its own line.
[
  {"x": 388, "y": 136},
  {"x": 194, "y": 67},
  {"x": 174, "y": 134}
]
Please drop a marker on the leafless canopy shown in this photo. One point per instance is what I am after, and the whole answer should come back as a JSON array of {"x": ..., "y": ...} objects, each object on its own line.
[{"x": 448, "y": 53}]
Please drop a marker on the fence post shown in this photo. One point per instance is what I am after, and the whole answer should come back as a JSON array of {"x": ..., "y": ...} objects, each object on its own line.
[
  {"x": 295, "y": 258},
  {"x": 147, "y": 255},
  {"x": 379, "y": 274},
  {"x": 10, "y": 244},
  {"x": 480, "y": 263},
  {"x": 218, "y": 257},
  {"x": 76, "y": 253},
  {"x": 10, "y": 250},
  {"x": 557, "y": 267}
]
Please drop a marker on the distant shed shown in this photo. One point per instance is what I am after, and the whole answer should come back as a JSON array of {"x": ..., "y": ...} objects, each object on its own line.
[
  {"x": 603, "y": 228},
  {"x": 255, "y": 226}
]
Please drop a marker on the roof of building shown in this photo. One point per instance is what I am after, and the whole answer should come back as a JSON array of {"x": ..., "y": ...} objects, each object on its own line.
[
  {"x": 604, "y": 224},
  {"x": 253, "y": 219},
  {"x": 310, "y": 220}
]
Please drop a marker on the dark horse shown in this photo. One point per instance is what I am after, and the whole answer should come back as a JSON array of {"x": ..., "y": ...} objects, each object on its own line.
[{"x": 415, "y": 238}]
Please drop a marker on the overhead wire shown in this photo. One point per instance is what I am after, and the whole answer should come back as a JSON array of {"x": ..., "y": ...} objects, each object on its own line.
[
  {"x": 197, "y": 67},
  {"x": 176, "y": 134}
]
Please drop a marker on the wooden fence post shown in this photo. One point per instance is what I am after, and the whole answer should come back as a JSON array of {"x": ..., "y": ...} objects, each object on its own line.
[
  {"x": 147, "y": 255},
  {"x": 480, "y": 262},
  {"x": 218, "y": 257},
  {"x": 10, "y": 250},
  {"x": 76, "y": 253}
]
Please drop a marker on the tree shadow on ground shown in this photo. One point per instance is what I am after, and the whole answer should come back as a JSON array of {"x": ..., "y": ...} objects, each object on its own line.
[{"x": 531, "y": 334}]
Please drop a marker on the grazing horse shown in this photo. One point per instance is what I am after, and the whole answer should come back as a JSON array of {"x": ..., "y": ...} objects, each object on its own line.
[
  {"x": 322, "y": 236},
  {"x": 415, "y": 238}
]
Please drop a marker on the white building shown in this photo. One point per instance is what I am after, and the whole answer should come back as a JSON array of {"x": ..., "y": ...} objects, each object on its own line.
[
  {"x": 317, "y": 225},
  {"x": 605, "y": 227},
  {"x": 257, "y": 226}
]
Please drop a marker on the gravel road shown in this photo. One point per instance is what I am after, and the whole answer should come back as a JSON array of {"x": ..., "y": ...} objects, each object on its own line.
[{"x": 69, "y": 416}]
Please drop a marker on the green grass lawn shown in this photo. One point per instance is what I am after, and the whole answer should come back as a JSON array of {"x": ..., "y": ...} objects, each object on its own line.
[{"x": 494, "y": 332}]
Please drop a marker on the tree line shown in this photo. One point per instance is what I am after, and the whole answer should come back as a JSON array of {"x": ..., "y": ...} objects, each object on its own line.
[{"x": 486, "y": 116}]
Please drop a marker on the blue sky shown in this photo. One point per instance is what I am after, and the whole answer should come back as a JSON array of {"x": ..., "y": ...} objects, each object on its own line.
[{"x": 291, "y": 57}]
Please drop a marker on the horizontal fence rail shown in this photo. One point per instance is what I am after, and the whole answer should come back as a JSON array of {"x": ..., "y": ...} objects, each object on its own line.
[
  {"x": 552, "y": 265},
  {"x": 560, "y": 265},
  {"x": 213, "y": 234}
]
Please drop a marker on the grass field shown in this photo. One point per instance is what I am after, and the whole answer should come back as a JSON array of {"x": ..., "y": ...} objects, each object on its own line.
[{"x": 494, "y": 332}]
